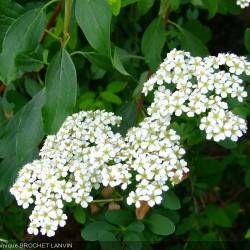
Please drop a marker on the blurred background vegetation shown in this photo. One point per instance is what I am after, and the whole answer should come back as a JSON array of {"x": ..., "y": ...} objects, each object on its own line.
[{"x": 211, "y": 207}]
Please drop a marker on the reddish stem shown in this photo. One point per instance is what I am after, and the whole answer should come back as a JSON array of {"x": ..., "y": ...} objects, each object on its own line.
[
  {"x": 2, "y": 88},
  {"x": 53, "y": 18}
]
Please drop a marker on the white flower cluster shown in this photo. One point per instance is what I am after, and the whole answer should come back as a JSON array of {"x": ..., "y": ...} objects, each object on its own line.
[
  {"x": 86, "y": 154},
  {"x": 200, "y": 86},
  {"x": 156, "y": 157},
  {"x": 82, "y": 155},
  {"x": 243, "y": 3}
]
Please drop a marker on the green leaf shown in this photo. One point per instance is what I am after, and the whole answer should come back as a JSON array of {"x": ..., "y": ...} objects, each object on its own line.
[
  {"x": 247, "y": 179},
  {"x": 247, "y": 235},
  {"x": 196, "y": 2},
  {"x": 212, "y": 6},
  {"x": 153, "y": 42},
  {"x": 241, "y": 111},
  {"x": 160, "y": 224},
  {"x": 61, "y": 90},
  {"x": 105, "y": 236},
  {"x": 232, "y": 210},
  {"x": 9, "y": 12},
  {"x": 138, "y": 90},
  {"x": 15, "y": 98},
  {"x": 247, "y": 39},
  {"x": 6, "y": 200},
  {"x": 94, "y": 18},
  {"x": 144, "y": 6},
  {"x": 117, "y": 63},
  {"x": 17, "y": 128},
  {"x": 199, "y": 30},
  {"x": 116, "y": 86},
  {"x": 91, "y": 231},
  {"x": 128, "y": 112},
  {"x": 128, "y": 2},
  {"x": 171, "y": 201},
  {"x": 110, "y": 97},
  {"x": 190, "y": 42},
  {"x": 115, "y": 6},
  {"x": 136, "y": 226},
  {"x": 228, "y": 144},
  {"x": 185, "y": 225},
  {"x": 97, "y": 59},
  {"x": 132, "y": 240},
  {"x": 97, "y": 72},
  {"x": 20, "y": 139},
  {"x": 32, "y": 87},
  {"x": 175, "y": 4},
  {"x": 30, "y": 128},
  {"x": 79, "y": 215},
  {"x": 209, "y": 170},
  {"x": 209, "y": 237},
  {"x": 119, "y": 217},
  {"x": 22, "y": 37},
  {"x": 228, "y": 7},
  {"x": 108, "y": 240},
  {"x": 29, "y": 63},
  {"x": 218, "y": 216},
  {"x": 87, "y": 100},
  {"x": 131, "y": 236}
]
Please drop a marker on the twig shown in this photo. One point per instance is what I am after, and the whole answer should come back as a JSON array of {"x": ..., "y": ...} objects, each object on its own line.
[
  {"x": 52, "y": 35},
  {"x": 52, "y": 20},
  {"x": 234, "y": 196},
  {"x": 106, "y": 200}
]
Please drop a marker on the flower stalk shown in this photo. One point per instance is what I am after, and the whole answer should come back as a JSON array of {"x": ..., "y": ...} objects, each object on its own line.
[
  {"x": 67, "y": 21},
  {"x": 107, "y": 200}
]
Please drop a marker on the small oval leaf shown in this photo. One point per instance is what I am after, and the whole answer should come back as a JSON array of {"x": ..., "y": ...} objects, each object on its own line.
[{"x": 160, "y": 224}]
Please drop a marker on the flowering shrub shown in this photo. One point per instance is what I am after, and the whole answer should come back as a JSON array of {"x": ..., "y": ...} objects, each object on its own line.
[
  {"x": 86, "y": 154},
  {"x": 97, "y": 130}
]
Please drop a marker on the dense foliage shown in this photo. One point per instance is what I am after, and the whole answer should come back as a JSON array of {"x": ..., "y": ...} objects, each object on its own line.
[{"x": 61, "y": 57}]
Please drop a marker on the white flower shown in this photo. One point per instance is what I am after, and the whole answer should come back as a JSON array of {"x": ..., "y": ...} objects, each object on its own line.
[
  {"x": 220, "y": 125},
  {"x": 153, "y": 196},
  {"x": 48, "y": 229},
  {"x": 243, "y": 3},
  {"x": 33, "y": 229},
  {"x": 61, "y": 220},
  {"x": 133, "y": 198}
]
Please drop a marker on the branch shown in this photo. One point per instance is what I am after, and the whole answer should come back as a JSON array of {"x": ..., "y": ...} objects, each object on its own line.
[
  {"x": 234, "y": 196},
  {"x": 52, "y": 20}
]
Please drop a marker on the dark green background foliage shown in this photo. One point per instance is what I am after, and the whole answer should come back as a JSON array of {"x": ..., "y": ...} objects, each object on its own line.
[{"x": 114, "y": 46}]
